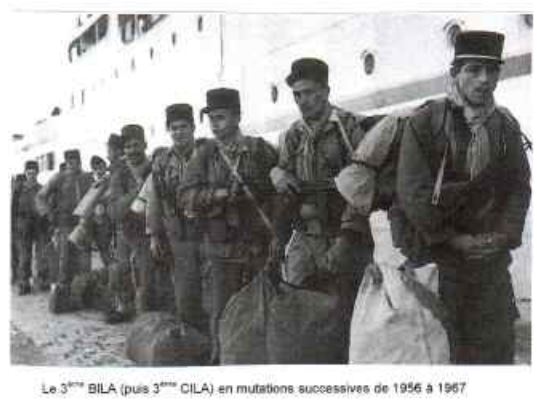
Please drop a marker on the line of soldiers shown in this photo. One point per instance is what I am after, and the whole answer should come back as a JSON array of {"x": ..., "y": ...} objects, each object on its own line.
[{"x": 234, "y": 203}]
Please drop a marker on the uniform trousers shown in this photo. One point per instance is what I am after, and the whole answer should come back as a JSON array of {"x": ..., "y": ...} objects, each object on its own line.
[
  {"x": 71, "y": 259},
  {"x": 29, "y": 236},
  {"x": 481, "y": 309}
]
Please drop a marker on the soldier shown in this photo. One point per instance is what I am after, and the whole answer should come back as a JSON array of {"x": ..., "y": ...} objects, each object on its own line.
[
  {"x": 463, "y": 191},
  {"x": 29, "y": 227},
  {"x": 331, "y": 245},
  {"x": 58, "y": 199},
  {"x": 236, "y": 238},
  {"x": 166, "y": 220},
  {"x": 98, "y": 167},
  {"x": 16, "y": 188},
  {"x": 100, "y": 224},
  {"x": 133, "y": 243}
]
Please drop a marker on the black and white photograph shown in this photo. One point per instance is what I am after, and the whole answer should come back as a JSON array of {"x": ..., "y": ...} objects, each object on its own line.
[{"x": 214, "y": 189}]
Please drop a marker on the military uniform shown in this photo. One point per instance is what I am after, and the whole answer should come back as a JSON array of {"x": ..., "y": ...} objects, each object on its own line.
[
  {"x": 58, "y": 198},
  {"x": 31, "y": 231},
  {"x": 236, "y": 238},
  {"x": 128, "y": 282},
  {"x": 16, "y": 187},
  {"x": 167, "y": 221},
  {"x": 476, "y": 291},
  {"x": 312, "y": 157}
]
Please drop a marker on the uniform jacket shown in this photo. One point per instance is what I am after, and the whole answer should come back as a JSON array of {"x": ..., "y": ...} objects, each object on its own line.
[
  {"x": 24, "y": 204},
  {"x": 125, "y": 183},
  {"x": 495, "y": 201},
  {"x": 329, "y": 156},
  {"x": 163, "y": 211},
  {"x": 207, "y": 172},
  {"x": 61, "y": 194}
]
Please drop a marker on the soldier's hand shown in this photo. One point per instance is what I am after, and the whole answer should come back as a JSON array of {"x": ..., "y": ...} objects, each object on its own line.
[
  {"x": 220, "y": 195},
  {"x": 479, "y": 247},
  {"x": 463, "y": 243},
  {"x": 488, "y": 245},
  {"x": 340, "y": 257},
  {"x": 284, "y": 182},
  {"x": 156, "y": 248},
  {"x": 236, "y": 192}
]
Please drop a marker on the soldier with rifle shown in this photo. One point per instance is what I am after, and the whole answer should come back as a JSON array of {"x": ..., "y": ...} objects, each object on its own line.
[
  {"x": 331, "y": 244},
  {"x": 219, "y": 179}
]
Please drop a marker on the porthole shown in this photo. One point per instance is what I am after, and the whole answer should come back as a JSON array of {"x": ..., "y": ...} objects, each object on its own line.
[
  {"x": 368, "y": 62},
  {"x": 274, "y": 93}
]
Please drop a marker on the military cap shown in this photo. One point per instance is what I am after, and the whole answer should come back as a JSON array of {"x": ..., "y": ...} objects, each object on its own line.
[
  {"x": 72, "y": 153},
  {"x": 132, "y": 131},
  {"x": 222, "y": 98},
  {"x": 95, "y": 160},
  {"x": 308, "y": 68},
  {"x": 31, "y": 165},
  {"x": 477, "y": 44},
  {"x": 115, "y": 141},
  {"x": 179, "y": 111}
]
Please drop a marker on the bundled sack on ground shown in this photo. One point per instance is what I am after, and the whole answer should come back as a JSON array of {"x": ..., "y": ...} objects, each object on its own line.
[
  {"x": 156, "y": 339},
  {"x": 273, "y": 322},
  {"x": 398, "y": 318}
]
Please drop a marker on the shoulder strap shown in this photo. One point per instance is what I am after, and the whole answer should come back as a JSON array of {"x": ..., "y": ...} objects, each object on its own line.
[
  {"x": 439, "y": 123},
  {"x": 335, "y": 117}
]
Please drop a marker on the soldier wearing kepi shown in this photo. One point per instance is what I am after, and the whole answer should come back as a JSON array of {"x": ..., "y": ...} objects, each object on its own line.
[
  {"x": 237, "y": 239},
  {"x": 331, "y": 245},
  {"x": 58, "y": 199},
  {"x": 28, "y": 226},
  {"x": 463, "y": 192},
  {"x": 167, "y": 222},
  {"x": 125, "y": 183}
]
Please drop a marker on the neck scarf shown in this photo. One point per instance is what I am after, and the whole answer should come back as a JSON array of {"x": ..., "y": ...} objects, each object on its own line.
[
  {"x": 478, "y": 153},
  {"x": 312, "y": 132}
]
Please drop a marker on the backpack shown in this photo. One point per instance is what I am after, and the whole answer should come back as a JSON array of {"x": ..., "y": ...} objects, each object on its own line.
[{"x": 368, "y": 183}]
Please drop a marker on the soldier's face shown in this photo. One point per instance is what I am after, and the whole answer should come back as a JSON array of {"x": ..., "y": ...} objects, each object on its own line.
[
  {"x": 135, "y": 151},
  {"x": 182, "y": 132},
  {"x": 311, "y": 98},
  {"x": 99, "y": 169},
  {"x": 477, "y": 81},
  {"x": 31, "y": 174},
  {"x": 72, "y": 164},
  {"x": 224, "y": 122},
  {"x": 114, "y": 153}
]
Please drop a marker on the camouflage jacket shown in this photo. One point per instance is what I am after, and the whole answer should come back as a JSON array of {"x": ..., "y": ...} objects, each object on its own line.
[
  {"x": 163, "y": 211},
  {"x": 495, "y": 201},
  {"x": 315, "y": 158},
  {"x": 61, "y": 194},
  {"x": 207, "y": 172}
]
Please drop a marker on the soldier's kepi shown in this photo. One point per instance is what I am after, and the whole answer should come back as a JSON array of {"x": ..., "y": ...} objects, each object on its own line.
[
  {"x": 331, "y": 244},
  {"x": 463, "y": 194},
  {"x": 167, "y": 223},
  {"x": 214, "y": 191}
]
